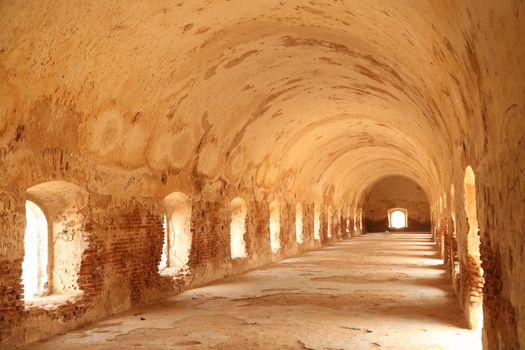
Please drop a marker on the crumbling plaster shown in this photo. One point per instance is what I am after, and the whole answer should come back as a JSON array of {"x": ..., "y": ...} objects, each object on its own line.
[{"x": 303, "y": 102}]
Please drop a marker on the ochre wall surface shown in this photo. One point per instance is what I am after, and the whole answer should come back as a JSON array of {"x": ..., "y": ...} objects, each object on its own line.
[
  {"x": 396, "y": 192},
  {"x": 308, "y": 103}
]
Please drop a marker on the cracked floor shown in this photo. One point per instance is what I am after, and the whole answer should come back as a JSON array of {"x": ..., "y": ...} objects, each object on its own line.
[{"x": 378, "y": 291}]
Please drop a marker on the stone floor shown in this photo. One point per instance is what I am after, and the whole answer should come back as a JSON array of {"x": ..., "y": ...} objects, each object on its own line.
[{"x": 378, "y": 291}]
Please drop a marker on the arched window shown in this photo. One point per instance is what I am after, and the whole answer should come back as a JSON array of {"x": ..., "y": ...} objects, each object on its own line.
[
  {"x": 299, "y": 223},
  {"x": 238, "y": 228},
  {"x": 317, "y": 222},
  {"x": 177, "y": 242},
  {"x": 36, "y": 247},
  {"x": 55, "y": 241},
  {"x": 397, "y": 218},
  {"x": 275, "y": 226}
]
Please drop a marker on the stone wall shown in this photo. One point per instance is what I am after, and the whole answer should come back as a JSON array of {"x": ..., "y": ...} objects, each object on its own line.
[
  {"x": 396, "y": 192},
  {"x": 305, "y": 103},
  {"x": 119, "y": 266}
]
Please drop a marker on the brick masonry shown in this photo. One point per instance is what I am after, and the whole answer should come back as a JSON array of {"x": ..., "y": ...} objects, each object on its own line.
[{"x": 119, "y": 267}]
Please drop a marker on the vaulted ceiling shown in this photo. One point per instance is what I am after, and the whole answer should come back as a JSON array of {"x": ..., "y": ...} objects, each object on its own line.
[{"x": 297, "y": 96}]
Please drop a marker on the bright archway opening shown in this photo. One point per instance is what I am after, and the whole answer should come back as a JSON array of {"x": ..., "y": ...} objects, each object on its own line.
[
  {"x": 397, "y": 218},
  {"x": 317, "y": 222},
  {"x": 36, "y": 246},
  {"x": 275, "y": 226},
  {"x": 54, "y": 240},
  {"x": 177, "y": 230},
  {"x": 239, "y": 211},
  {"x": 299, "y": 223},
  {"x": 164, "y": 256}
]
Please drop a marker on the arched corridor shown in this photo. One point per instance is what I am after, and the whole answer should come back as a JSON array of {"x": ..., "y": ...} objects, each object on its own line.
[
  {"x": 167, "y": 145},
  {"x": 377, "y": 291}
]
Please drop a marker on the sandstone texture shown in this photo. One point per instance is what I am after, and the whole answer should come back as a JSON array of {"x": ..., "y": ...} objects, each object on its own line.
[
  {"x": 115, "y": 114},
  {"x": 396, "y": 193},
  {"x": 382, "y": 291}
]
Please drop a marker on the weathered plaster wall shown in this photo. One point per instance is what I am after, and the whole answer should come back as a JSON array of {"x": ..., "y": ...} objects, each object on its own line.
[
  {"x": 119, "y": 267},
  {"x": 396, "y": 192},
  {"x": 309, "y": 103}
]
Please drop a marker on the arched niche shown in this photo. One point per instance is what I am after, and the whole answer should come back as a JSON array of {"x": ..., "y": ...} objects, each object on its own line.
[
  {"x": 61, "y": 205},
  {"x": 177, "y": 238}
]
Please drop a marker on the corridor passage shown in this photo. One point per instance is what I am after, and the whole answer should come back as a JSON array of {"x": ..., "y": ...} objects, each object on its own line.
[{"x": 378, "y": 291}]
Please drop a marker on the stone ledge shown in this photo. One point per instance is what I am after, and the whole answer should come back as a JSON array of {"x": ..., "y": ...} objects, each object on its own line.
[
  {"x": 175, "y": 272},
  {"x": 53, "y": 301}
]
